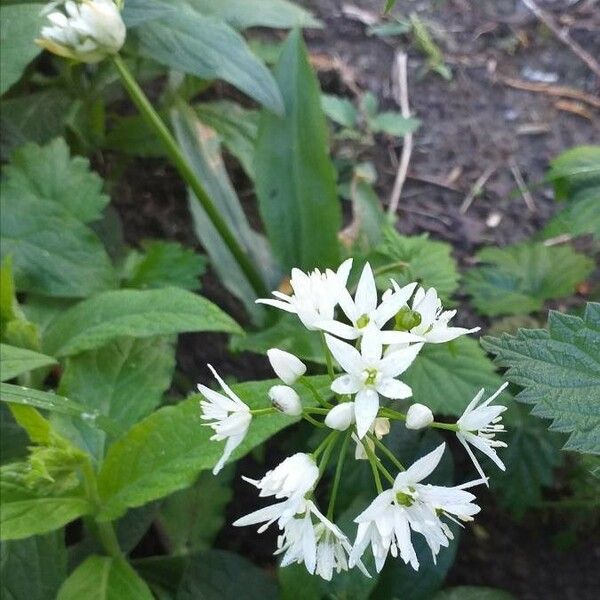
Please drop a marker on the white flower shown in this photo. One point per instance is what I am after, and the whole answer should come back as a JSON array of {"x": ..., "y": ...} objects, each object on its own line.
[
  {"x": 315, "y": 294},
  {"x": 379, "y": 428},
  {"x": 87, "y": 30},
  {"x": 478, "y": 426},
  {"x": 368, "y": 375},
  {"x": 229, "y": 416},
  {"x": 427, "y": 319},
  {"x": 364, "y": 312},
  {"x": 291, "y": 480},
  {"x": 286, "y": 400},
  {"x": 286, "y": 366},
  {"x": 340, "y": 417},
  {"x": 418, "y": 416}
]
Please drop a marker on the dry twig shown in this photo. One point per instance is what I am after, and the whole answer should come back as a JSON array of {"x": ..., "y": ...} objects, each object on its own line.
[
  {"x": 525, "y": 193},
  {"x": 476, "y": 189},
  {"x": 576, "y": 108}
]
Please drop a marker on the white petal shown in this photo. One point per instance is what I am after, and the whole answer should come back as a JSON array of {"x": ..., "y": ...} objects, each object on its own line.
[
  {"x": 427, "y": 308},
  {"x": 397, "y": 362},
  {"x": 347, "y": 356},
  {"x": 462, "y": 439},
  {"x": 346, "y": 384},
  {"x": 230, "y": 445},
  {"x": 440, "y": 333},
  {"x": 394, "y": 389},
  {"x": 391, "y": 337},
  {"x": 225, "y": 387},
  {"x": 366, "y": 292},
  {"x": 371, "y": 346},
  {"x": 423, "y": 467},
  {"x": 484, "y": 447},
  {"x": 391, "y": 304},
  {"x": 366, "y": 406},
  {"x": 346, "y": 332}
]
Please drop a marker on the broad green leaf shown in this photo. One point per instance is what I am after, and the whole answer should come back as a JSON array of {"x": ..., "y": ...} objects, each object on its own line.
[
  {"x": 417, "y": 258},
  {"x": 132, "y": 135},
  {"x": 368, "y": 219},
  {"x": 104, "y": 578},
  {"x": 468, "y": 592},
  {"x": 295, "y": 179},
  {"x": 164, "y": 264},
  {"x": 166, "y": 451},
  {"x": 446, "y": 377},
  {"x": 134, "y": 313},
  {"x": 163, "y": 574},
  {"x": 49, "y": 173},
  {"x": 9, "y": 306},
  {"x": 206, "y": 47},
  {"x": 19, "y": 25},
  {"x": 242, "y": 14},
  {"x": 574, "y": 170},
  {"x": 33, "y": 568},
  {"x": 13, "y": 440},
  {"x": 16, "y": 361},
  {"x": 393, "y": 123},
  {"x": 216, "y": 575},
  {"x": 577, "y": 218},
  {"x": 559, "y": 369},
  {"x": 339, "y": 110},
  {"x": 519, "y": 279}
]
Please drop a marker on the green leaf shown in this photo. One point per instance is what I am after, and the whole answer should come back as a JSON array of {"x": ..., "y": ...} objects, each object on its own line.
[
  {"x": 33, "y": 568},
  {"x": 19, "y": 25},
  {"x": 219, "y": 575},
  {"x": 166, "y": 451},
  {"x": 418, "y": 259},
  {"x": 393, "y": 123},
  {"x": 165, "y": 264},
  {"x": 519, "y": 279},
  {"x": 577, "y": 218},
  {"x": 472, "y": 592},
  {"x": 339, "y": 110},
  {"x": 49, "y": 173},
  {"x": 13, "y": 440},
  {"x": 188, "y": 41},
  {"x": 16, "y": 361},
  {"x": 295, "y": 179},
  {"x": 459, "y": 369},
  {"x": 389, "y": 4},
  {"x": 134, "y": 313},
  {"x": 368, "y": 219},
  {"x": 104, "y": 578},
  {"x": 574, "y": 170},
  {"x": 559, "y": 370}
]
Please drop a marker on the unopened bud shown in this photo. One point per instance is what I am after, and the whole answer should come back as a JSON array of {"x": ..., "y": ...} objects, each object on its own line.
[
  {"x": 286, "y": 400},
  {"x": 406, "y": 319},
  {"x": 340, "y": 417},
  {"x": 418, "y": 417},
  {"x": 286, "y": 366}
]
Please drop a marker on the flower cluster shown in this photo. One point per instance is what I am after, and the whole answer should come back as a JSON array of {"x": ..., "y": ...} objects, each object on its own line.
[{"x": 368, "y": 344}]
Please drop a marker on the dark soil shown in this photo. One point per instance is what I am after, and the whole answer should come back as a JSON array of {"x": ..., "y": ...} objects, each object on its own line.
[{"x": 469, "y": 123}]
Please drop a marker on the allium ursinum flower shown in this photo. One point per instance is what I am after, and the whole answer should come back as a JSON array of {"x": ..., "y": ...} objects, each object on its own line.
[
  {"x": 365, "y": 313},
  {"x": 341, "y": 416},
  {"x": 426, "y": 318},
  {"x": 229, "y": 416},
  {"x": 290, "y": 481},
  {"x": 379, "y": 428},
  {"x": 368, "y": 375},
  {"x": 479, "y": 425},
  {"x": 315, "y": 294},
  {"x": 84, "y": 30},
  {"x": 418, "y": 416},
  {"x": 286, "y": 366},
  {"x": 286, "y": 400}
]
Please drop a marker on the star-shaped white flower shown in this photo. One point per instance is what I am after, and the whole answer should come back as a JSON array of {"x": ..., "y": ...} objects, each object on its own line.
[
  {"x": 368, "y": 375},
  {"x": 479, "y": 425},
  {"x": 229, "y": 417}
]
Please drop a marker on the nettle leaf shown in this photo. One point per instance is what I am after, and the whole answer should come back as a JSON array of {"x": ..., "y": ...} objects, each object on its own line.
[
  {"x": 104, "y": 578},
  {"x": 393, "y": 123},
  {"x": 339, "y": 110},
  {"x": 519, "y": 279},
  {"x": 419, "y": 259},
  {"x": 446, "y": 377},
  {"x": 33, "y": 568},
  {"x": 574, "y": 170},
  {"x": 295, "y": 179},
  {"x": 16, "y": 361},
  {"x": 19, "y": 25},
  {"x": 559, "y": 370},
  {"x": 579, "y": 217},
  {"x": 134, "y": 313},
  {"x": 49, "y": 173},
  {"x": 166, "y": 451}
]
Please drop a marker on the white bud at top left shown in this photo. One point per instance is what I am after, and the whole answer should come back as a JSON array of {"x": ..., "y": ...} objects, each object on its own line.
[
  {"x": 286, "y": 400},
  {"x": 286, "y": 366}
]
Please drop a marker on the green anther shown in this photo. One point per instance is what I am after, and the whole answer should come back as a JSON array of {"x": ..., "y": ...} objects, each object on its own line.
[
  {"x": 362, "y": 321},
  {"x": 371, "y": 377},
  {"x": 404, "y": 499},
  {"x": 406, "y": 319}
]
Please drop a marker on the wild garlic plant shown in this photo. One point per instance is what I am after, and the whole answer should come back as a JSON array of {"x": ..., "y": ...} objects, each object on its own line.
[{"x": 368, "y": 343}]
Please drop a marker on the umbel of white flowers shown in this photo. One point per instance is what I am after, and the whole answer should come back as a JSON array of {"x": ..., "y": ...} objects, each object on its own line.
[
  {"x": 368, "y": 344},
  {"x": 83, "y": 30}
]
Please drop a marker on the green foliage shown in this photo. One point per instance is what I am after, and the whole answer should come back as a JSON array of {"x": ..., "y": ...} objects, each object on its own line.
[
  {"x": 560, "y": 373},
  {"x": 425, "y": 43},
  {"x": 339, "y": 110},
  {"x": 469, "y": 592},
  {"x": 135, "y": 313},
  {"x": 16, "y": 361},
  {"x": 295, "y": 180},
  {"x": 519, "y": 279},
  {"x": 104, "y": 578}
]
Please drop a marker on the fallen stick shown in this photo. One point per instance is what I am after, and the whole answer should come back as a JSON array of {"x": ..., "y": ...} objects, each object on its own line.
[
  {"x": 525, "y": 193},
  {"x": 477, "y": 187}
]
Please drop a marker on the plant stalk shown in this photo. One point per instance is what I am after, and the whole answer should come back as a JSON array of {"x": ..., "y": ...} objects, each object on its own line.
[{"x": 338, "y": 475}]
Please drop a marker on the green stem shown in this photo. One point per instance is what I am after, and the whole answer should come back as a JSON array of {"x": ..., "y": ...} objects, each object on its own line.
[
  {"x": 446, "y": 426},
  {"x": 185, "y": 170},
  {"x": 108, "y": 537},
  {"x": 377, "y": 464},
  {"x": 388, "y": 453},
  {"x": 313, "y": 390},
  {"x": 316, "y": 410},
  {"x": 312, "y": 421},
  {"x": 327, "y": 453},
  {"x": 328, "y": 357},
  {"x": 323, "y": 445},
  {"x": 392, "y": 414},
  {"x": 262, "y": 411},
  {"x": 338, "y": 475}
]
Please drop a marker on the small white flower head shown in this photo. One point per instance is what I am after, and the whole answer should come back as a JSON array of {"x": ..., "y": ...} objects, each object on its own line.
[
  {"x": 229, "y": 417},
  {"x": 83, "y": 30},
  {"x": 479, "y": 425},
  {"x": 368, "y": 375},
  {"x": 290, "y": 482},
  {"x": 287, "y": 367},
  {"x": 340, "y": 417},
  {"x": 418, "y": 416},
  {"x": 315, "y": 295},
  {"x": 286, "y": 400},
  {"x": 379, "y": 428}
]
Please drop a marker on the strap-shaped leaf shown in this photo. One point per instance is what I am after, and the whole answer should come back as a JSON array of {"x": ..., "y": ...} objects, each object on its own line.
[{"x": 16, "y": 361}]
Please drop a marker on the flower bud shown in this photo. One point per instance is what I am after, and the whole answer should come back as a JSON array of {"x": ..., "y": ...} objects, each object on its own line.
[
  {"x": 418, "y": 417},
  {"x": 84, "y": 30},
  {"x": 286, "y": 366},
  {"x": 286, "y": 400},
  {"x": 340, "y": 417}
]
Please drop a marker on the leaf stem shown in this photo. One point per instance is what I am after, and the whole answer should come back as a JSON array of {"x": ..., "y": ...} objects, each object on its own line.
[
  {"x": 338, "y": 475},
  {"x": 323, "y": 445},
  {"x": 108, "y": 537},
  {"x": 312, "y": 420},
  {"x": 313, "y": 390},
  {"x": 327, "y": 453},
  {"x": 328, "y": 358},
  {"x": 387, "y": 452},
  {"x": 185, "y": 170},
  {"x": 373, "y": 462},
  {"x": 262, "y": 411}
]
